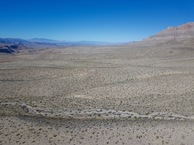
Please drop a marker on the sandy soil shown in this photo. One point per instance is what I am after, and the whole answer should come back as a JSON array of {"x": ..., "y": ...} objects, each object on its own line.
[
  {"x": 97, "y": 95},
  {"x": 26, "y": 130}
]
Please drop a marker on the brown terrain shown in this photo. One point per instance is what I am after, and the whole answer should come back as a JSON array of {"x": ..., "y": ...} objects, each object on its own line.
[{"x": 140, "y": 93}]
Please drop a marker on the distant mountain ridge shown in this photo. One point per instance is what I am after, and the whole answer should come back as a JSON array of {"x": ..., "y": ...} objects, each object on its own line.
[
  {"x": 13, "y": 41},
  {"x": 43, "y": 40},
  {"x": 12, "y": 45},
  {"x": 51, "y": 42},
  {"x": 64, "y": 43}
]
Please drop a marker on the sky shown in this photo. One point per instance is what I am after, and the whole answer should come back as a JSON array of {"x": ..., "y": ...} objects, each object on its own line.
[{"x": 91, "y": 20}]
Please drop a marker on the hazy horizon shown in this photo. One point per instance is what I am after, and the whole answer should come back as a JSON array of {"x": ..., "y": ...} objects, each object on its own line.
[
  {"x": 102, "y": 20},
  {"x": 50, "y": 39}
]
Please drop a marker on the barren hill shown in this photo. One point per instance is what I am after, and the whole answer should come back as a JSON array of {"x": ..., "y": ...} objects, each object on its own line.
[
  {"x": 180, "y": 37},
  {"x": 181, "y": 32}
]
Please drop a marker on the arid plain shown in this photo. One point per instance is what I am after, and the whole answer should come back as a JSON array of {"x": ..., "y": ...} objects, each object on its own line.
[{"x": 98, "y": 95}]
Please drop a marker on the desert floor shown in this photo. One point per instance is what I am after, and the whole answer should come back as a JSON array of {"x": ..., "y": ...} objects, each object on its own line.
[{"x": 97, "y": 95}]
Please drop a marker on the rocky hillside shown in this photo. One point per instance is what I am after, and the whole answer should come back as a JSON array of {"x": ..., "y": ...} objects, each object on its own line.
[
  {"x": 185, "y": 31},
  {"x": 173, "y": 37}
]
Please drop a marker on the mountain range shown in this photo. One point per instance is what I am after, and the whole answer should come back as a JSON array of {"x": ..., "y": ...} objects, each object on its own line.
[
  {"x": 10, "y": 45},
  {"x": 183, "y": 34}
]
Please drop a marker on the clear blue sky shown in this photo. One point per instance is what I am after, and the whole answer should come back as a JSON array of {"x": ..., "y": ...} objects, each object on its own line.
[{"x": 94, "y": 20}]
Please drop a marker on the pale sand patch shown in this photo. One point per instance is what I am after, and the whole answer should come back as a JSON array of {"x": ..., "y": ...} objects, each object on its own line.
[{"x": 84, "y": 96}]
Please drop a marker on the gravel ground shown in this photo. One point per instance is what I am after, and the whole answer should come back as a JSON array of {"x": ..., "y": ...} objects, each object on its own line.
[{"x": 142, "y": 81}]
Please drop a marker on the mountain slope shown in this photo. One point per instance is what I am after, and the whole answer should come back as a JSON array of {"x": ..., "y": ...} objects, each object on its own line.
[{"x": 185, "y": 31}]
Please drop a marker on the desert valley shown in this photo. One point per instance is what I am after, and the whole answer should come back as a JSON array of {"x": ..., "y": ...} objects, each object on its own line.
[{"x": 69, "y": 94}]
